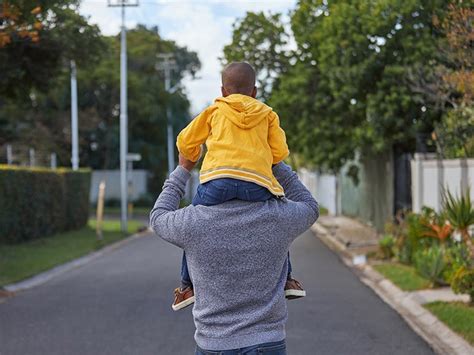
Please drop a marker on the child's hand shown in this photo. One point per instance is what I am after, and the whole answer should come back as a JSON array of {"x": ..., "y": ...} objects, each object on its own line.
[{"x": 185, "y": 163}]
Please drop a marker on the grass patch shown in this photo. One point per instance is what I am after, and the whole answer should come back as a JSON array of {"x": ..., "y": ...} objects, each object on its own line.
[
  {"x": 403, "y": 276},
  {"x": 20, "y": 261},
  {"x": 457, "y": 316}
]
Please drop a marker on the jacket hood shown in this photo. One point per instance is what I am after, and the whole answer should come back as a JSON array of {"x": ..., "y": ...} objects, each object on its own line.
[{"x": 244, "y": 111}]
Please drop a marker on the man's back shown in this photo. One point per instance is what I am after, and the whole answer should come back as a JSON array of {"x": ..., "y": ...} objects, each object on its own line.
[{"x": 236, "y": 255}]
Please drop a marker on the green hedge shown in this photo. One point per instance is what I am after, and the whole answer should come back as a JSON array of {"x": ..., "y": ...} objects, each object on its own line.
[{"x": 36, "y": 202}]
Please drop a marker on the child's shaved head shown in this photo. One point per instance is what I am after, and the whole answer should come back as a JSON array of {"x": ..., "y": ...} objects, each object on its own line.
[{"x": 238, "y": 78}]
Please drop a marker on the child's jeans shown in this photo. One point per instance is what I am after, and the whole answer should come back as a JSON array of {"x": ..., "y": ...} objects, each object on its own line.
[{"x": 219, "y": 191}]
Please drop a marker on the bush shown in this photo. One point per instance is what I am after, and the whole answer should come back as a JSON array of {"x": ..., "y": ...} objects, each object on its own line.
[
  {"x": 460, "y": 212},
  {"x": 112, "y": 202},
  {"x": 412, "y": 231},
  {"x": 386, "y": 245},
  {"x": 409, "y": 242},
  {"x": 463, "y": 282},
  {"x": 323, "y": 211},
  {"x": 145, "y": 200},
  {"x": 457, "y": 256},
  {"x": 430, "y": 263},
  {"x": 40, "y": 202}
]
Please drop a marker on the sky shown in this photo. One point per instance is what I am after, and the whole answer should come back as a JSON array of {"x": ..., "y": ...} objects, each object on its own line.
[{"x": 204, "y": 26}]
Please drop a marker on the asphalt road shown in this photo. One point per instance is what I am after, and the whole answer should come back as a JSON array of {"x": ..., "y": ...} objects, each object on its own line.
[{"x": 120, "y": 304}]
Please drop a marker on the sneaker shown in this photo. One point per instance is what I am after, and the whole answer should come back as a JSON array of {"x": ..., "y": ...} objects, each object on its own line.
[
  {"x": 182, "y": 298},
  {"x": 293, "y": 289}
]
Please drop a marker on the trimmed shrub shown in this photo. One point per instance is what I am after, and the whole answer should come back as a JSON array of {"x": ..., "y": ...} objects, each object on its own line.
[
  {"x": 37, "y": 202},
  {"x": 386, "y": 246},
  {"x": 457, "y": 256},
  {"x": 463, "y": 282}
]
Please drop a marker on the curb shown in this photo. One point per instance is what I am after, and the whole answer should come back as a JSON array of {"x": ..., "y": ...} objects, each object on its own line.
[
  {"x": 47, "y": 275},
  {"x": 434, "y": 332}
]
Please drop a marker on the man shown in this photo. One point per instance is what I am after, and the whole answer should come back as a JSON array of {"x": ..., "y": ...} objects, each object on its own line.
[{"x": 237, "y": 259}]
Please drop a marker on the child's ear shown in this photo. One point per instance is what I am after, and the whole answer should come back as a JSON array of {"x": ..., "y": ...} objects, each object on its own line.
[
  {"x": 254, "y": 92},
  {"x": 224, "y": 92}
]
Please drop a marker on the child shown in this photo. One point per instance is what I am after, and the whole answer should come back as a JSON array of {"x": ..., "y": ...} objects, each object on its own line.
[{"x": 243, "y": 139}]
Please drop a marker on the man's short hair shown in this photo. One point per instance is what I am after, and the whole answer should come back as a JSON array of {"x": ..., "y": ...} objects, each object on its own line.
[{"x": 238, "y": 78}]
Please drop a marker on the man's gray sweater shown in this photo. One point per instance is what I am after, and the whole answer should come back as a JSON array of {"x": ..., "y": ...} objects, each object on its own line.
[{"x": 236, "y": 254}]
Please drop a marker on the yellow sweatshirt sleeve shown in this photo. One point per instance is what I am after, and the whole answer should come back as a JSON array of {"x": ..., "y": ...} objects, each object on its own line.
[
  {"x": 194, "y": 135},
  {"x": 277, "y": 140}
]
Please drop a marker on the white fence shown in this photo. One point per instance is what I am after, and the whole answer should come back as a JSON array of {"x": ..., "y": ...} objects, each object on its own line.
[
  {"x": 323, "y": 187},
  {"x": 191, "y": 186},
  {"x": 429, "y": 176},
  {"x": 137, "y": 184}
]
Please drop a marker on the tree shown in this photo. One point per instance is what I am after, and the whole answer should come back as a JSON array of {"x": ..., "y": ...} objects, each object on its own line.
[
  {"x": 348, "y": 90},
  {"x": 260, "y": 39},
  {"x": 37, "y": 42},
  {"x": 44, "y": 121},
  {"x": 453, "y": 83}
]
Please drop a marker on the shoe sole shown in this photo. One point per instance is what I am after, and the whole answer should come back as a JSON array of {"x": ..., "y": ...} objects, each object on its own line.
[
  {"x": 184, "y": 304},
  {"x": 292, "y": 294}
]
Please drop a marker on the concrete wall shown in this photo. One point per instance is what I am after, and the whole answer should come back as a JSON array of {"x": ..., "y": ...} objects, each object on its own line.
[
  {"x": 430, "y": 176},
  {"x": 138, "y": 184}
]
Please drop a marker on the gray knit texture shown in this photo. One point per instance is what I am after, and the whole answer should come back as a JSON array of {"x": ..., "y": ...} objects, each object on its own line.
[{"x": 236, "y": 254}]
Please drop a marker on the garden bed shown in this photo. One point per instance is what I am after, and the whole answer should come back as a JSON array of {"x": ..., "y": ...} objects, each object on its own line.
[
  {"x": 20, "y": 261},
  {"x": 457, "y": 316}
]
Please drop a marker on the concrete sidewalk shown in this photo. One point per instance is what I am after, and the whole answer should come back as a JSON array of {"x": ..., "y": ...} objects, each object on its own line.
[
  {"x": 355, "y": 236},
  {"x": 352, "y": 240}
]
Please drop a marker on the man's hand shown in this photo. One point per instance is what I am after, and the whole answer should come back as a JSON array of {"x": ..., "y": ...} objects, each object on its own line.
[{"x": 185, "y": 163}]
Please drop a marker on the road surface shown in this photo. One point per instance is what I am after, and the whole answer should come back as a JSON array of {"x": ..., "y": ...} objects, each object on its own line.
[{"x": 120, "y": 304}]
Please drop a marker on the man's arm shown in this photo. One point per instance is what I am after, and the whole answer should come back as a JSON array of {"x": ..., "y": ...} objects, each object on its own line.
[
  {"x": 306, "y": 210},
  {"x": 166, "y": 220},
  {"x": 277, "y": 140}
]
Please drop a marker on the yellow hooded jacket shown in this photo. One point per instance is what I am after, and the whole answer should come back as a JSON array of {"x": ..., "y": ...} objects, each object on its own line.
[{"x": 243, "y": 138}]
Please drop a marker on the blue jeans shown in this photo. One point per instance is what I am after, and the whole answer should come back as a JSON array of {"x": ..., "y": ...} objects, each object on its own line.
[
  {"x": 274, "y": 348},
  {"x": 219, "y": 191}
]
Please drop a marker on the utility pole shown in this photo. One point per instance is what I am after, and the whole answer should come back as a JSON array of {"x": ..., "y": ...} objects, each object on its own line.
[
  {"x": 167, "y": 64},
  {"x": 74, "y": 120},
  {"x": 123, "y": 111}
]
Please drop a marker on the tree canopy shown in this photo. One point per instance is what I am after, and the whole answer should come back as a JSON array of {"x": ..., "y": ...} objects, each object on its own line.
[
  {"x": 35, "y": 90},
  {"x": 38, "y": 38},
  {"x": 347, "y": 87},
  {"x": 260, "y": 39}
]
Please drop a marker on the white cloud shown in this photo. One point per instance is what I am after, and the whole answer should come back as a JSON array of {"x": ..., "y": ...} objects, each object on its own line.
[{"x": 202, "y": 26}]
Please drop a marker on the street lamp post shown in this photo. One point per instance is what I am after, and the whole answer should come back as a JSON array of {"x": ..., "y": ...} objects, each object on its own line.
[
  {"x": 74, "y": 118},
  {"x": 123, "y": 111},
  {"x": 167, "y": 64}
]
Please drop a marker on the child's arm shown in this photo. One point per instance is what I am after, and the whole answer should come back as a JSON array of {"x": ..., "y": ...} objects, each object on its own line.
[
  {"x": 194, "y": 135},
  {"x": 277, "y": 140}
]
